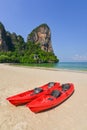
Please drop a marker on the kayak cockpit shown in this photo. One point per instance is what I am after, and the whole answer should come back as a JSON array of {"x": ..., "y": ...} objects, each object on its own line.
[{"x": 65, "y": 87}]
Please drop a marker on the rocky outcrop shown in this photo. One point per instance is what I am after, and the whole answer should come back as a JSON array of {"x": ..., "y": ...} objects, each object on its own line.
[
  {"x": 8, "y": 40},
  {"x": 14, "y": 49},
  {"x": 41, "y": 35},
  {"x": 3, "y": 45}
]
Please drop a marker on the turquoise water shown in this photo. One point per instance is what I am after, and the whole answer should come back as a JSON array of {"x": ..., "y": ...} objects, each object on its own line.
[
  {"x": 80, "y": 66},
  {"x": 72, "y": 65}
]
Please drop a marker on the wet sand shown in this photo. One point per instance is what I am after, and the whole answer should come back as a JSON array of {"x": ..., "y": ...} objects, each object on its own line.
[{"x": 70, "y": 115}]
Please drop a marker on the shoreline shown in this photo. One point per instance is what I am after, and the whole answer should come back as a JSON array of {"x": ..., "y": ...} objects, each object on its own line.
[{"x": 50, "y": 68}]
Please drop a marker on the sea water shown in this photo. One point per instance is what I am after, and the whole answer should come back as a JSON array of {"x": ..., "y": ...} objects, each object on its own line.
[{"x": 79, "y": 66}]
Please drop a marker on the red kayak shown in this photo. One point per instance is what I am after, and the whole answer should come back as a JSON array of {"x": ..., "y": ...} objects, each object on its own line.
[
  {"x": 28, "y": 96},
  {"x": 51, "y": 99}
]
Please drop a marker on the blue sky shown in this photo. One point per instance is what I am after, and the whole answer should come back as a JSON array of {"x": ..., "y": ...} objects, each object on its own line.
[{"x": 67, "y": 20}]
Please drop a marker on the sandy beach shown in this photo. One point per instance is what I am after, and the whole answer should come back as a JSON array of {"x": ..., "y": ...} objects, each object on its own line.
[{"x": 70, "y": 115}]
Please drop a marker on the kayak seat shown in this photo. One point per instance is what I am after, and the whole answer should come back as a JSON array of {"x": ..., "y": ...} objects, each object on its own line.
[
  {"x": 65, "y": 87},
  {"x": 37, "y": 90},
  {"x": 50, "y": 99},
  {"x": 51, "y": 84},
  {"x": 55, "y": 93}
]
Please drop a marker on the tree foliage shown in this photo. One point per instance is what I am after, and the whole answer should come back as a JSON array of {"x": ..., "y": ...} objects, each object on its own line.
[{"x": 27, "y": 53}]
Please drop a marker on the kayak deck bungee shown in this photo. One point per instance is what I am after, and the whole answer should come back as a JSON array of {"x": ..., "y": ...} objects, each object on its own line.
[
  {"x": 51, "y": 99},
  {"x": 28, "y": 96}
]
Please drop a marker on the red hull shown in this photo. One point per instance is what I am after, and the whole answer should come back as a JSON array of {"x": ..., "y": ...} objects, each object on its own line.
[
  {"x": 42, "y": 103},
  {"x": 28, "y": 96}
]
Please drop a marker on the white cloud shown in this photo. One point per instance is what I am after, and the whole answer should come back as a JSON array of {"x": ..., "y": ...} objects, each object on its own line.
[{"x": 78, "y": 57}]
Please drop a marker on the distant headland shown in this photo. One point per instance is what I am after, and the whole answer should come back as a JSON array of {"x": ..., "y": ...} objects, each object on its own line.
[{"x": 37, "y": 49}]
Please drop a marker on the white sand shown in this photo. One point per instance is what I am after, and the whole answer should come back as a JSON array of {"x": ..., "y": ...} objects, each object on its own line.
[{"x": 70, "y": 115}]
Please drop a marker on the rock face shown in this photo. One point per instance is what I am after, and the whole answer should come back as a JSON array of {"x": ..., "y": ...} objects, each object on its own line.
[
  {"x": 8, "y": 40},
  {"x": 3, "y": 46},
  {"x": 41, "y": 35}
]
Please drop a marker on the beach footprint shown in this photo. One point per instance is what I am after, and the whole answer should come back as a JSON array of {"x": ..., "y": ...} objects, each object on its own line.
[{"x": 20, "y": 126}]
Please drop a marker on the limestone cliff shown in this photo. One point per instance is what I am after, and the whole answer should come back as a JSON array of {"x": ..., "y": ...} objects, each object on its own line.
[
  {"x": 8, "y": 40},
  {"x": 42, "y": 35},
  {"x": 3, "y": 46},
  {"x": 13, "y": 48}
]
